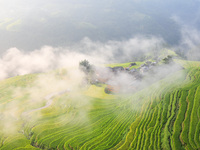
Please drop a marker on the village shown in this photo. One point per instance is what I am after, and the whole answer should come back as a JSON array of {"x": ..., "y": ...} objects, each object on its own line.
[
  {"x": 114, "y": 77},
  {"x": 123, "y": 79}
]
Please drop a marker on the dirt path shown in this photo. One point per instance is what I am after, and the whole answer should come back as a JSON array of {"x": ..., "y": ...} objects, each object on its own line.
[{"x": 49, "y": 100}]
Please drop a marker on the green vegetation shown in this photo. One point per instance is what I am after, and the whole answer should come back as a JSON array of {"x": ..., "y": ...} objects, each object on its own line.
[
  {"x": 138, "y": 64},
  {"x": 164, "y": 115},
  {"x": 85, "y": 66}
]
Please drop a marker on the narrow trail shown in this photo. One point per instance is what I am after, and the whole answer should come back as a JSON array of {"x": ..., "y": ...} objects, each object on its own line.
[{"x": 49, "y": 101}]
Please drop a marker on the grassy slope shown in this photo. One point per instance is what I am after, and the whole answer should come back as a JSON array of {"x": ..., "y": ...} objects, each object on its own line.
[{"x": 165, "y": 117}]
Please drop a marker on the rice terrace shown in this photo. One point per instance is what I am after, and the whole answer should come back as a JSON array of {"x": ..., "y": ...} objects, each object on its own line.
[
  {"x": 163, "y": 115},
  {"x": 99, "y": 75}
]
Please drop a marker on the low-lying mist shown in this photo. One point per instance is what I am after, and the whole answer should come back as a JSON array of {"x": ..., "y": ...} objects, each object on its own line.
[
  {"x": 18, "y": 62},
  {"x": 15, "y": 61}
]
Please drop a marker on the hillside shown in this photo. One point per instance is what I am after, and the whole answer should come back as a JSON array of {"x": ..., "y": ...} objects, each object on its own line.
[{"x": 163, "y": 115}]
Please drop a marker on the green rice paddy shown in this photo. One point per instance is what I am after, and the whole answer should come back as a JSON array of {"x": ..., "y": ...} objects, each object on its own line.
[{"x": 164, "y": 115}]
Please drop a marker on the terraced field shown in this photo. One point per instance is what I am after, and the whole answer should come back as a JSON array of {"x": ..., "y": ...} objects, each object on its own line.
[
  {"x": 138, "y": 64},
  {"x": 164, "y": 115}
]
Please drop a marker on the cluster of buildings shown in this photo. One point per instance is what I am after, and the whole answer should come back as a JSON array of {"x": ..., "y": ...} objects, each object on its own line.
[{"x": 106, "y": 75}]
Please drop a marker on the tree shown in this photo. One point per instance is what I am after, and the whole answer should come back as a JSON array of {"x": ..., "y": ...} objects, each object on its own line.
[
  {"x": 167, "y": 60},
  {"x": 85, "y": 66}
]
